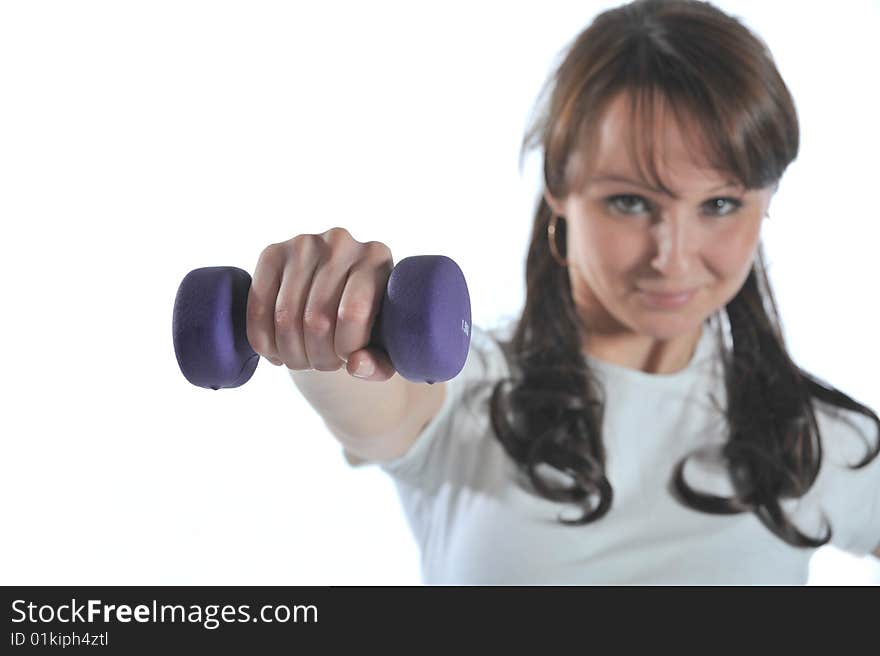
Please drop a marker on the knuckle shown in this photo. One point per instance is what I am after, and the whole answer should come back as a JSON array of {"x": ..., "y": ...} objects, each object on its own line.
[
  {"x": 337, "y": 234},
  {"x": 317, "y": 322},
  {"x": 259, "y": 341},
  {"x": 377, "y": 248},
  {"x": 358, "y": 310},
  {"x": 300, "y": 245},
  {"x": 283, "y": 318},
  {"x": 256, "y": 310},
  {"x": 270, "y": 252},
  {"x": 255, "y": 324}
]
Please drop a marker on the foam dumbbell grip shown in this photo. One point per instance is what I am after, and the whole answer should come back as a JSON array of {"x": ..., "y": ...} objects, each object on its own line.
[{"x": 424, "y": 323}]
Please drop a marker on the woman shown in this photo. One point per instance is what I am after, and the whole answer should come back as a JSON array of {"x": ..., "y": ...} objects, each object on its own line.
[{"x": 646, "y": 386}]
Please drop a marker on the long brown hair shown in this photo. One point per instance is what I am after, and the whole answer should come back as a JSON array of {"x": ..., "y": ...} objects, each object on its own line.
[{"x": 713, "y": 70}]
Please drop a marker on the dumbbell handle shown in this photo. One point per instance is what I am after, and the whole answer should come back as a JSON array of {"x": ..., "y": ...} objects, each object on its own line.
[{"x": 424, "y": 323}]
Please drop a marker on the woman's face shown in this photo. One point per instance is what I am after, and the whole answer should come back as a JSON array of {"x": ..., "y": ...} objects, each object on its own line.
[{"x": 625, "y": 241}]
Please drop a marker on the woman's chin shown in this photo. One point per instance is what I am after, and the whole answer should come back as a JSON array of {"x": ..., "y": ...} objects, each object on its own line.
[
  {"x": 666, "y": 322},
  {"x": 667, "y": 325}
]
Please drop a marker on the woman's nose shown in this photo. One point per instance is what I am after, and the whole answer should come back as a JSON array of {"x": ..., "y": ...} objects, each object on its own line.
[{"x": 674, "y": 249}]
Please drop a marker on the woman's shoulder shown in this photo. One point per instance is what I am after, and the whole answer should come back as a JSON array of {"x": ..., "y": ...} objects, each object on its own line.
[
  {"x": 849, "y": 496},
  {"x": 846, "y": 435}
]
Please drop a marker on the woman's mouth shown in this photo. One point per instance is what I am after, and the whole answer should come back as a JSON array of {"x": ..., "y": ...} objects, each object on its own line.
[{"x": 667, "y": 301}]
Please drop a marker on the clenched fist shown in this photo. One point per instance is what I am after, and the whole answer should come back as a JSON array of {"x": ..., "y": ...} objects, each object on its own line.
[{"x": 313, "y": 301}]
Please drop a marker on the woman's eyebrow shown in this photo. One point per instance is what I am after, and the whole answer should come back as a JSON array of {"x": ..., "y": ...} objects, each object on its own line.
[{"x": 611, "y": 177}]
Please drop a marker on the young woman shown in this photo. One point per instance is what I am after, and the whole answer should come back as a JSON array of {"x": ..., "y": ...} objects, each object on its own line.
[{"x": 642, "y": 422}]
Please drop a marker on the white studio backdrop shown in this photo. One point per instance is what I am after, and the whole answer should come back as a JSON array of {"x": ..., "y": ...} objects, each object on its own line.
[{"x": 140, "y": 140}]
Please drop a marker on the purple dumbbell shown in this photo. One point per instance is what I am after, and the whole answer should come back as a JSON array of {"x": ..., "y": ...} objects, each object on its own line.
[{"x": 424, "y": 324}]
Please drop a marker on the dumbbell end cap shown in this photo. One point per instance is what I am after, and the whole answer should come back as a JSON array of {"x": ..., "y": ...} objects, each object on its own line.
[{"x": 209, "y": 329}]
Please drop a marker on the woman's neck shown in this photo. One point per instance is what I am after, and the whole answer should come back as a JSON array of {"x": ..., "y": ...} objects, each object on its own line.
[{"x": 643, "y": 352}]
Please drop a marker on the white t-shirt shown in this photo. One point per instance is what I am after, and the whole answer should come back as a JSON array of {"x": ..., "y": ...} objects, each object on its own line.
[{"x": 476, "y": 520}]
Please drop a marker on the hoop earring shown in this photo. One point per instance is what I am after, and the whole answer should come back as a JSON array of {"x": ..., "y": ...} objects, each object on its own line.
[{"x": 551, "y": 236}]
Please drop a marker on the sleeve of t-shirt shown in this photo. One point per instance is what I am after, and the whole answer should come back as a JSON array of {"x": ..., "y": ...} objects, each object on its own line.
[
  {"x": 445, "y": 438},
  {"x": 850, "y": 498}
]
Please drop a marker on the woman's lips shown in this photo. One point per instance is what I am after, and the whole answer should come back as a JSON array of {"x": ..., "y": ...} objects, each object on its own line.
[{"x": 667, "y": 301}]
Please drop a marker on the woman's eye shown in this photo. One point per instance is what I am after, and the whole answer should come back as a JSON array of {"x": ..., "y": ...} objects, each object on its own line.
[
  {"x": 627, "y": 204},
  {"x": 624, "y": 204},
  {"x": 717, "y": 206}
]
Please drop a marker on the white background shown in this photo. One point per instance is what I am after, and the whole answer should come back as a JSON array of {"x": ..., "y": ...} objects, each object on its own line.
[{"x": 140, "y": 140}]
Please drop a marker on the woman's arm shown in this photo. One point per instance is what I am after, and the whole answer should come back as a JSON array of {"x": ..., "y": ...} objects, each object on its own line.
[{"x": 373, "y": 420}]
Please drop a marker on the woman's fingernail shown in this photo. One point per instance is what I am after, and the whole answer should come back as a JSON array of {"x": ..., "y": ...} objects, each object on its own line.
[
  {"x": 365, "y": 369},
  {"x": 276, "y": 362}
]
